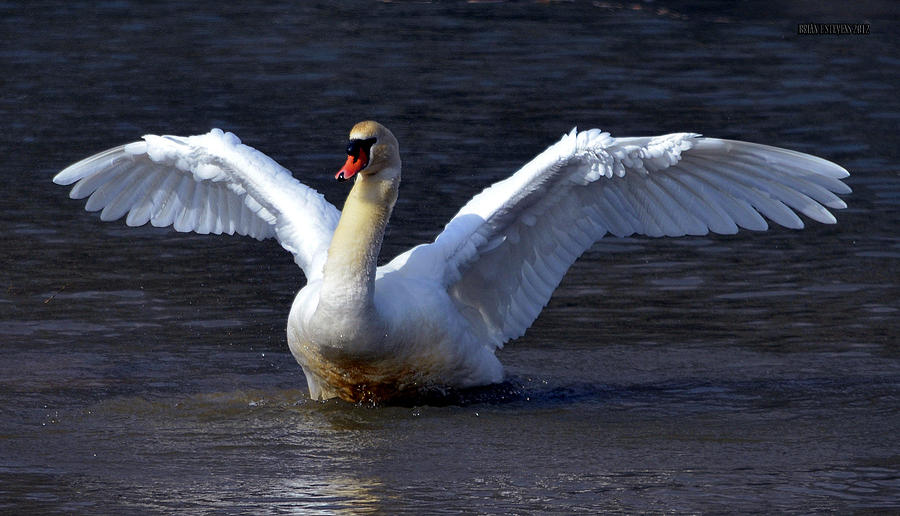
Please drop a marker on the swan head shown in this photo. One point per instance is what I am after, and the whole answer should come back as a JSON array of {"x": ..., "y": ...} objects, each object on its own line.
[{"x": 372, "y": 149}]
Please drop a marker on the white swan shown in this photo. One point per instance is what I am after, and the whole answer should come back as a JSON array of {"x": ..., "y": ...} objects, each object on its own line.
[{"x": 435, "y": 315}]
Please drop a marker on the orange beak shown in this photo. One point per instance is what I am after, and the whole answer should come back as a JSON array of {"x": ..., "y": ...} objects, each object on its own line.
[{"x": 353, "y": 165}]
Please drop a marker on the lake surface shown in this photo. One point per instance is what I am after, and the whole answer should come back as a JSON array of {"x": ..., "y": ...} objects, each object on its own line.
[{"x": 145, "y": 371}]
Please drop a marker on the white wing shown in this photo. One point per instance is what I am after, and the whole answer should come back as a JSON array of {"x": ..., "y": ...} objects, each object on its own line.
[
  {"x": 503, "y": 254},
  {"x": 210, "y": 183}
]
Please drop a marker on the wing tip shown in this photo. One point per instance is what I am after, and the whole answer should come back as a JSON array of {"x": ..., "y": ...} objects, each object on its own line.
[{"x": 66, "y": 176}]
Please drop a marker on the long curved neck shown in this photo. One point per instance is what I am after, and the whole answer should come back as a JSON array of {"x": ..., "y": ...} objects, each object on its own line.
[{"x": 348, "y": 282}]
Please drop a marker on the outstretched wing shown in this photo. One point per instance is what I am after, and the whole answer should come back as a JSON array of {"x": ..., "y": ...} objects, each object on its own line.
[
  {"x": 210, "y": 183},
  {"x": 503, "y": 254}
]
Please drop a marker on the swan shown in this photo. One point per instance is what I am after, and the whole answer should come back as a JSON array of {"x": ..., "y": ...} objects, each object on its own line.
[{"x": 434, "y": 316}]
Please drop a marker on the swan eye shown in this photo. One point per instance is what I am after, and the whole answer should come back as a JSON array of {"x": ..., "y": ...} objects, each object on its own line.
[{"x": 356, "y": 145}]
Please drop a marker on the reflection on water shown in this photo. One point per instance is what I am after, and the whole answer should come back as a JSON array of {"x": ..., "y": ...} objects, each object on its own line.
[
  {"x": 147, "y": 371},
  {"x": 328, "y": 496}
]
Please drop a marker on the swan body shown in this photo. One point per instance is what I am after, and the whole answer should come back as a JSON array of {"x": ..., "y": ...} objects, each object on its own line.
[{"x": 435, "y": 315}]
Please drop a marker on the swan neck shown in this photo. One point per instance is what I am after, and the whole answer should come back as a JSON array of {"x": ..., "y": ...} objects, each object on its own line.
[{"x": 349, "y": 273}]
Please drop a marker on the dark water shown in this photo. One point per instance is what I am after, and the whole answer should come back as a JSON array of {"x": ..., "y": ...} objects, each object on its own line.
[{"x": 147, "y": 371}]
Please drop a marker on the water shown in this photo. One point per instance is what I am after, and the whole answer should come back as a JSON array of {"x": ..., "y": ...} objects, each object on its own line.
[{"x": 146, "y": 371}]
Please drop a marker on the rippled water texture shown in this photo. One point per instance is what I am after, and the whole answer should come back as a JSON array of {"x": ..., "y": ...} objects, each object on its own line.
[{"x": 147, "y": 371}]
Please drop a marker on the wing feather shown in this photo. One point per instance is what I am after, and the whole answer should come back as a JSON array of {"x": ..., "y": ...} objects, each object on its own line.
[
  {"x": 788, "y": 189},
  {"x": 708, "y": 204},
  {"x": 185, "y": 196},
  {"x": 209, "y": 183},
  {"x": 140, "y": 214},
  {"x": 503, "y": 254},
  {"x": 168, "y": 202}
]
